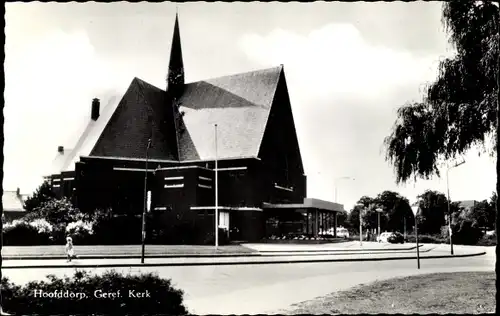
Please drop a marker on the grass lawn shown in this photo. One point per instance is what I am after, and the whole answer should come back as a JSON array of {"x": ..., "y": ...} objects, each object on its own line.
[{"x": 463, "y": 292}]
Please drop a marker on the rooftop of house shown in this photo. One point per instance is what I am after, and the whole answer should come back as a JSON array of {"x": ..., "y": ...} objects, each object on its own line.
[
  {"x": 467, "y": 203},
  {"x": 13, "y": 201}
]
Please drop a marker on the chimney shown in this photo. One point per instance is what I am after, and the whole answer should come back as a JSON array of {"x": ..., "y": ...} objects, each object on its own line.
[
  {"x": 18, "y": 192},
  {"x": 60, "y": 149},
  {"x": 94, "y": 115}
]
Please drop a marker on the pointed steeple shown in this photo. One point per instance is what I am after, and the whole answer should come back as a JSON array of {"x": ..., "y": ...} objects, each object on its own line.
[{"x": 175, "y": 78}]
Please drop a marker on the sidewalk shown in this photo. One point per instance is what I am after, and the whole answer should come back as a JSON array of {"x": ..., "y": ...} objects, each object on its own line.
[
  {"x": 345, "y": 246},
  {"x": 175, "y": 251},
  {"x": 123, "y": 251},
  {"x": 426, "y": 253}
]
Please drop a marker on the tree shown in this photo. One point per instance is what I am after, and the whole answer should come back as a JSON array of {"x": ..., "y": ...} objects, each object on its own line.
[
  {"x": 482, "y": 215},
  {"x": 57, "y": 212},
  {"x": 42, "y": 194},
  {"x": 461, "y": 107},
  {"x": 434, "y": 206},
  {"x": 342, "y": 218},
  {"x": 396, "y": 208},
  {"x": 353, "y": 217}
]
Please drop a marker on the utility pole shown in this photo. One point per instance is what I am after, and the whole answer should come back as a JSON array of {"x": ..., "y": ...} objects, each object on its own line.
[
  {"x": 415, "y": 209},
  {"x": 498, "y": 147},
  {"x": 216, "y": 211},
  {"x": 404, "y": 228},
  {"x": 145, "y": 204},
  {"x": 450, "y": 231},
  {"x": 361, "y": 209}
]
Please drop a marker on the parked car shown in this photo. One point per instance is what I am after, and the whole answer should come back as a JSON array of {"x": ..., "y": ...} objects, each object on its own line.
[
  {"x": 396, "y": 238},
  {"x": 384, "y": 237},
  {"x": 342, "y": 232}
]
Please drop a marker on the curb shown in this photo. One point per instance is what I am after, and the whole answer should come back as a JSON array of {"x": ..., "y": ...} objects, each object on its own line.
[
  {"x": 279, "y": 253},
  {"x": 240, "y": 262},
  {"x": 345, "y": 250},
  {"x": 282, "y": 254},
  {"x": 253, "y": 254}
]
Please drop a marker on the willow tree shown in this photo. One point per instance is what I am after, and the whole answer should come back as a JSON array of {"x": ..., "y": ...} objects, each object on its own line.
[{"x": 459, "y": 110}]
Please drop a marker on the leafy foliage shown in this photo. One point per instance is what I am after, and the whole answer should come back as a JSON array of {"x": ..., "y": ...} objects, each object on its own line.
[
  {"x": 395, "y": 208},
  {"x": 434, "y": 206},
  {"x": 22, "y": 233},
  {"x": 458, "y": 110},
  {"x": 342, "y": 218},
  {"x": 56, "y": 211},
  {"x": 41, "y": 195},
  {"x": 164, "y": 298}
]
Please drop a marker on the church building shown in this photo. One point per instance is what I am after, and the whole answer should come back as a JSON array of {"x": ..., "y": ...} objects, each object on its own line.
[{"x": 176, "y": 134}]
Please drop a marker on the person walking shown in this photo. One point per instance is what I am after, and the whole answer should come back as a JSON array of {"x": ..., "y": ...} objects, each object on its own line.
[{"x": 70, "y": 249}]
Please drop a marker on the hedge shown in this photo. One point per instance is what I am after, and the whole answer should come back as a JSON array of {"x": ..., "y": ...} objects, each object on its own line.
[
  {"x": 82, "y": 294},
  {"x": 427, "y": 239}
]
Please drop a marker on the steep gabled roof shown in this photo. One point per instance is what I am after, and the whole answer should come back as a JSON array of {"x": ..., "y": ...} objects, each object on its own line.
[
  {"x": 238, "y": 104},
  {"x": 142, "y": 113}
]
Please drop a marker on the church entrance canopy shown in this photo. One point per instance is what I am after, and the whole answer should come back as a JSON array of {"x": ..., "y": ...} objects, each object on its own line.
[{"x": 313, "y": 217}]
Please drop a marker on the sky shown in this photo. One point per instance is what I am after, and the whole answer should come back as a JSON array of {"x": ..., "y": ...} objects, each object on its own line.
[{"x": 349, "y": 66}]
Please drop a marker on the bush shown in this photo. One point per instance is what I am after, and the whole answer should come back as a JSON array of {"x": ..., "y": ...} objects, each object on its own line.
[
  {"x": 80, "y": 231},
  {"x": 426, "y": 239},
  {"x": 42, "y": 226},
  {"x": 488, "y": 240},
  {"x": 24, "y": 234},
  {"x": 56, "y": 212},
  {"x": 106, "y": 232},
  {"x": 78, "y": 295},
  {"x": 223, "y": 237},
  {"x": 42, "y": 194},
  {"x": 467, "y": 233}
]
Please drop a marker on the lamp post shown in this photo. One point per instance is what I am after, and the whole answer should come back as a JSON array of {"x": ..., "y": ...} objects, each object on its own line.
[
  {"x": 415, "y": 208},
  {"x": 404, "y": 229},
  {"x": 361, "y": 210},
  {"x": 216, "y": 211},
  {"x": 379, "y": 210},
  {"x": 145, "y": 203},
  {"x": 449, "y": 209}
]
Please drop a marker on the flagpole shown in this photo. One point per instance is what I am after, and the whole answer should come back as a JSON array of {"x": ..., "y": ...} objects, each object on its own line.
[{"x": 216, "y": 211}]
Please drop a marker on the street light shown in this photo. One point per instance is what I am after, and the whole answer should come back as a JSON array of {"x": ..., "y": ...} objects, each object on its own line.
[
  {"x": 145, "y": 203},
  {"x": 379, "y": 210},
  {"x": 449, "y": 209},
  {"x": 415, "y": 209},
  {"x": 361, "y": 210},
  {"x": 216, "y": 211}
]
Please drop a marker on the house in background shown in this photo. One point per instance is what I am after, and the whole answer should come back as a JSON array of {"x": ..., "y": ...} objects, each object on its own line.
[
  {"x": 261, "y": 179},
  {"x": 467, "y": 204},
  {"x": 13, "y": 204}
]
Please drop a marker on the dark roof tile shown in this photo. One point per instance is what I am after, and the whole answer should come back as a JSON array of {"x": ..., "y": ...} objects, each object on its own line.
[{"x": 239, "y": 104}]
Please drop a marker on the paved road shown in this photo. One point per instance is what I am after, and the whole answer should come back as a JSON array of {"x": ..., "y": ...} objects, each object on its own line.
[
  {"x": 250, "y": 289},
  {"x": 429, "y": 250}
]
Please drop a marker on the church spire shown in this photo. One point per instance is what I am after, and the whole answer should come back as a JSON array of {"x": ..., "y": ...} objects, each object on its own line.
[{"x": 175, "y": 78}]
